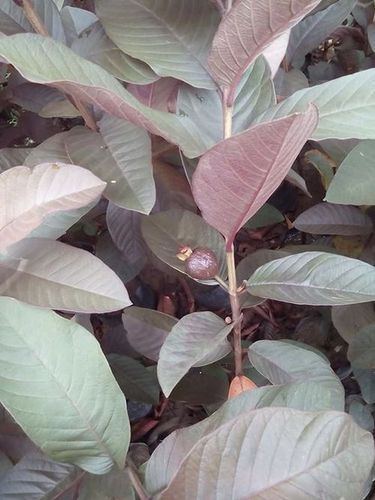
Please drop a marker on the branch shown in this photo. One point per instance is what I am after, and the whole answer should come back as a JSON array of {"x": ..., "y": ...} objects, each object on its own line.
[
  {"x": 136, "y": 482},
  {"x": 40, "y": 28}
]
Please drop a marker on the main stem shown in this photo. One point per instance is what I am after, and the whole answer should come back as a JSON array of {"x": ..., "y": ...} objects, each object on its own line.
[{"x": 232, "y": 278}]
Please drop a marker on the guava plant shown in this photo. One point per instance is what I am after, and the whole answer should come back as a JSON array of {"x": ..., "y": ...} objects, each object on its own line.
[{"x": 179, "y": 180}]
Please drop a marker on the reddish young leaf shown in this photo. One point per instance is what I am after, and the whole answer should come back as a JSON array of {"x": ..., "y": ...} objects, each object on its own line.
[
  {"x": 237, "y": 176},
  {"x": 246, "y": 31}
]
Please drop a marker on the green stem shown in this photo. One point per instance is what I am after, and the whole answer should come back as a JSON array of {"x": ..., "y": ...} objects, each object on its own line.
[
  {"x": 232, "y": 277},
  {"x": 236, "y": 312}
]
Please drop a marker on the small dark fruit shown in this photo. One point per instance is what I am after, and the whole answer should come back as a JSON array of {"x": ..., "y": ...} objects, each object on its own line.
[{"x": 202, "y": 264}]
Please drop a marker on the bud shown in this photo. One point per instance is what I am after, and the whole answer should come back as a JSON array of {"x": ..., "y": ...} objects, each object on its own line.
[
  {"x": 200, "y": 263},
  {"x": 240, "y": 384}
]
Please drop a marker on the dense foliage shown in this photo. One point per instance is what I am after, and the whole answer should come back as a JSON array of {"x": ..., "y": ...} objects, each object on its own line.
[{"x": 187, "y": 249}]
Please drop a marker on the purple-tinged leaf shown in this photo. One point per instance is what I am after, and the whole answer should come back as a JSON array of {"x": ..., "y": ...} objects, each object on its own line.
[
  {"x": 30, "y": 195},
  {"x": 349, "y": 320},
  {"x": 161, "y": 94},
  {"x": 327, "y": 218},
  {"x": 237, "y": 176},
  {"x": 249, "y": 28}
]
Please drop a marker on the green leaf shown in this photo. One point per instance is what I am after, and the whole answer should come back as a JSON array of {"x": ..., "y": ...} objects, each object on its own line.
[
  {"x": 181, "y": 36},
  {"x": 98, "y": 48},
  {"x": 41, "y": 60},
  {"x": 166, "y": 459},
  {"x": 255, "y": 93},
  {"x": 249, "y": 265},
  {"x": 309, "y": 33},
  {"x": 13, "y": 19},
  {"x": 315, "y": 278},
  {"x": 353, "y": 183},
  {"x": 322, "y": 163},
  {"x": 124, "y": 226},
  {"x": 136, "y": 382},
  {"x": 35, "y": 476},
  {"x": 346, "y": 107},
  {"x": 284, "y": 363},
  {"x": 327, "y": 218},
  {"x": 12, "y": 157},
  {"x": 198, "y": 339},
  {"x": 366, "y": 381},
  {"x": 328, "y": 447},
  {"x": 30, "y": 195},
  {"x": 114, "y": 485},
  {"x": 265, "y": 216},
  {"x": 361, "y": 352},
  {"x": 207, "y": 385},
  {"x": 147, "y": 330},
  {"x": 58, "y": 386},
  {"x": 120, "y": 155},
  {"x": 361, "y": 414},
  {"x": 349, "y": 320},
  {"x": 166, "y": 232},
  {"x": 132, "y": 179},
  {"x": 35, "y": 271}
]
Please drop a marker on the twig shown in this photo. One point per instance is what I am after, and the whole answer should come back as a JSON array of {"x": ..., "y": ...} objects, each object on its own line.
[
  {"x": 220, "y": 6},
  {"x": 136, "y": 482},
  {"x": 39, "y": 27},
  {"x": 74, "y": 484},
  {"x": 33, "y": 18}
]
